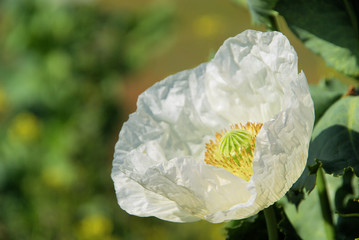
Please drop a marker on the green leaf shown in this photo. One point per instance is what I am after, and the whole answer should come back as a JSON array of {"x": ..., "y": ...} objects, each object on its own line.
[
  {"x": 306, "y": 218},
  {"x": 336, "y": 137},
  {"x": 255, "y": 227},
  {"x": 262, "y": 11},
  {"x": 244, "y": 229},
  {"x": 305, "y": 183},
  {"x": 347, "y": 206},
  {"x": 285, "y": 226},
  {"x": 328, "y": 28},
  {"x": 325, "y": 94}
]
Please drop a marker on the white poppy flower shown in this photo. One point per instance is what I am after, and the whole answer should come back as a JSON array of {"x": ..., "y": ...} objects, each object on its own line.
[{"x": 221, "y": 141}]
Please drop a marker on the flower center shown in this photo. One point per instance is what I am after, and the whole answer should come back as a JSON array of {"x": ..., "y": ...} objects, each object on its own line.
[{"x": 233, "y": 150}]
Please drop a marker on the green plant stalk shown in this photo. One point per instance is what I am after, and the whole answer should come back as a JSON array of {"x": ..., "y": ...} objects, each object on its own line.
[
  {"x": 325, "y": 206},
  {"x": 352, "y": 16},
  {"x": 273, "y": 26},
  {"x": 271, "y": 223}
]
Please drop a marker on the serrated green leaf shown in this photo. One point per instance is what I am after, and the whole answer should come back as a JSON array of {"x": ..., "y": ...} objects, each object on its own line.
[
  {"x": 305, "y": 183},
  {"x": 336, "y": 137},
  {"x": 295, "y": 195},
  {"x": 328, "y": 28},
  {"x": 313, "y": 169}
]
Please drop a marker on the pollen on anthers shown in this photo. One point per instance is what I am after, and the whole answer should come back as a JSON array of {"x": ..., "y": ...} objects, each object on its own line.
[{"x": 233, "y": 149}]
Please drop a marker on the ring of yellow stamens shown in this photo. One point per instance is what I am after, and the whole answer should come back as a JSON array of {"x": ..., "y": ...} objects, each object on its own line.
[{"x": 233, "y": 150}]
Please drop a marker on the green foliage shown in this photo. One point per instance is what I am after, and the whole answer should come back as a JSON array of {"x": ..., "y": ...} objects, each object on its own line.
[
  {"x": 328, "y": 28},
  {"x": 343, "y": 194},
  {"x": 261, "y": 11},
  {"x": 336, "y": 137},
  {"x": 285, "y": 226},
  {"x": 347, "y": 207},
  {"x": 153, "y": 24},
  {"x": 334, "y": 146},
  {"x": 245, "y": 229},
  {"x": 61, "y": 70},
  {"x": 306, "y": 217},
  {"x": 325, "y": 94}
]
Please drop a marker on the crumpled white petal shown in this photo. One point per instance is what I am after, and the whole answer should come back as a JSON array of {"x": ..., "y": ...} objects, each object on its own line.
[{"x": 159, "y": 168}]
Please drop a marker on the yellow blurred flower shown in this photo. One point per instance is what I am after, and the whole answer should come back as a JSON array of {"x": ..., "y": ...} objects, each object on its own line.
[
  {"x": 206, "y": 25},
  {"x": 58, "y": 176},
  {"x": 95, "y": 227},
  {"x": 25, "y": 127}
]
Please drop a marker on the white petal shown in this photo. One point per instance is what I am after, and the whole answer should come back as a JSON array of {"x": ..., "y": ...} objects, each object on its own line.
[
  {"x": 173, "y": 119},
  {"x": 283, "y": 146},
  {"x": 137, "y": 200},
  {"x": 158, "y": 168},
  {"x": 280, "y": 155},
  {"x": 248, "y": 78}
]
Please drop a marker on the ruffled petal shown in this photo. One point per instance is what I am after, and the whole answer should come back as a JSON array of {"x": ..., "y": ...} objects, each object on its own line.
[
  {"x": 137, "y": 200},
  {"x": 280, "y": 155},
  {"x": 159, "y": 168},
  {"x": 249, "y": 76},
  {"x": 173, "y": 119},
  {"x": 283, "y": 146}
]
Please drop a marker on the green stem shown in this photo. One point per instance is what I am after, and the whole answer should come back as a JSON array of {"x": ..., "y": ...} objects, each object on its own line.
[
  {"x": 271, "y": 223},
  {"x": 352, "y": 16},
  {"x": 325, "y": 206},
  {"x": 273, "y": 26}
]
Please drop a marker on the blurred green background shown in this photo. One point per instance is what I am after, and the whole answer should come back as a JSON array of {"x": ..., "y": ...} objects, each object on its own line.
[{"x": 70, "y": 73}]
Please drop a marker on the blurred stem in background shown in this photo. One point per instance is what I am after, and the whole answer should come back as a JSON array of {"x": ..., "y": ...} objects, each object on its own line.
[
  {"x": 271, "y": 223},
  {"x": 325, "y": 205},
  {"x": 273, "y": 26}
]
